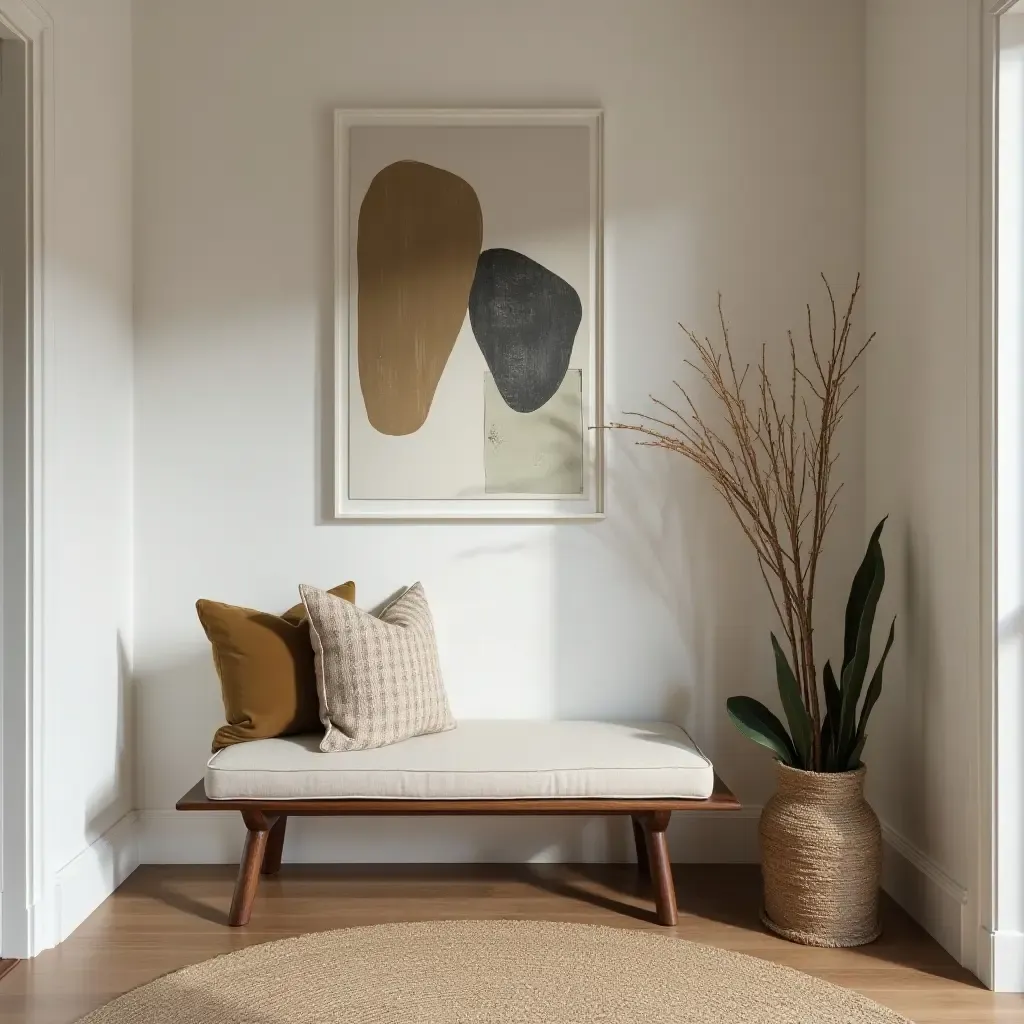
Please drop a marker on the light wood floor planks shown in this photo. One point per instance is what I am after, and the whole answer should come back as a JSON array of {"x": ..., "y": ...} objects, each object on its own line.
[{"x": 163, "y": 918}]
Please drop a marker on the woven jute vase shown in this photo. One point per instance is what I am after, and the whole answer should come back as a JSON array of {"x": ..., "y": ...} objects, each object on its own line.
[{"x": 821, "y": 857}]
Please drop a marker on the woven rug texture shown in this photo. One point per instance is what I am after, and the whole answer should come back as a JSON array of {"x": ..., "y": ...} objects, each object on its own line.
[{"x": 472, "y": 972}]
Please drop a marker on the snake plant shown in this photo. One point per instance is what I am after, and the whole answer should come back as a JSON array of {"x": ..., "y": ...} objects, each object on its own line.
[{"x": 844, "y": 728}]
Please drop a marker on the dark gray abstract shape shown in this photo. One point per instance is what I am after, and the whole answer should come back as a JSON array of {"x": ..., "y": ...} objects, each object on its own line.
[{"x": 525, "y": 319}]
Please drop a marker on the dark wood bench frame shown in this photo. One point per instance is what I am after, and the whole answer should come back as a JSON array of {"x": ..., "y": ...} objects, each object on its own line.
[{"x": 266, "y": 820}]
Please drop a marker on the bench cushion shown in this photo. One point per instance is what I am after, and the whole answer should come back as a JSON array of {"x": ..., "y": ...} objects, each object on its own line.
[{"x": 478, "y": 760}]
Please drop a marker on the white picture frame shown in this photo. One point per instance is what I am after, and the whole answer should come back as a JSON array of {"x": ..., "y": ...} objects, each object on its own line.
[{"x": 349, "y": 411}]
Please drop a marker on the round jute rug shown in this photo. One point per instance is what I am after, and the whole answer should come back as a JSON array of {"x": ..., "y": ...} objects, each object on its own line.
[{"x": 488, "y": 972}]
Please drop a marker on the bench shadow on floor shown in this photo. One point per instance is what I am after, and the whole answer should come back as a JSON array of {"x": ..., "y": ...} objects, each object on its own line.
[{"x": 710, "y": 898}]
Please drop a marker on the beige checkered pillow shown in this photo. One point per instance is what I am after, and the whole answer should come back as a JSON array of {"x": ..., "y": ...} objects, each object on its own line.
[{"x": 378, "y": 677}]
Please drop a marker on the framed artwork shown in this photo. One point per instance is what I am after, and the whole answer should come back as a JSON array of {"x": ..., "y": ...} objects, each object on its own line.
[{"x": 468, "y": 314}]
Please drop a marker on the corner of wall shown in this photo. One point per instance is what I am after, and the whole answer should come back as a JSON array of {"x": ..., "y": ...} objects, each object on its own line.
[
  {"x": 74, "y": 892},
  {"x": 85, "y": 882},
  {"x": 924, "y": 891}
]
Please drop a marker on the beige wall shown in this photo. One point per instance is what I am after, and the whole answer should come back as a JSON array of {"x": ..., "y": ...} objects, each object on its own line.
[{"x": 923, "y": 110}]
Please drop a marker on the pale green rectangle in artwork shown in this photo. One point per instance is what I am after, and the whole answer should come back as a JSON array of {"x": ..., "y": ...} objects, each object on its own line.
[{"x": 538, "y": 452}]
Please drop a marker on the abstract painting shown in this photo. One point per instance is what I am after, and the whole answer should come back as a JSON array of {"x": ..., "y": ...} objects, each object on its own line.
[{"x": 469, "y": 343}]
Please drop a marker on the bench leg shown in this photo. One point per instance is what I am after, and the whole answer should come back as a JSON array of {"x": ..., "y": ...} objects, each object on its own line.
[
  {"x": 660, "y": 863},
  {"x": 275, "y": 847},
  {"x": 249, "y": 869},
  {"x": 642, "y": 864}
]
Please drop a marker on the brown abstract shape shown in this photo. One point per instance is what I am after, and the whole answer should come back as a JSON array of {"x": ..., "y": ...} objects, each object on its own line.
[{"x": 420, "y": 232}]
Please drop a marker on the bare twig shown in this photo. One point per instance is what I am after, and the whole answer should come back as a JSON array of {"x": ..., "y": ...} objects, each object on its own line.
[{"x": 774, "y": 470}]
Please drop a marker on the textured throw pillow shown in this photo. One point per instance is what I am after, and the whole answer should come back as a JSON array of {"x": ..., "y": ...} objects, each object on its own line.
[
  {"x": 265, "y": 664},
  {"x": 378, "y": 676}
]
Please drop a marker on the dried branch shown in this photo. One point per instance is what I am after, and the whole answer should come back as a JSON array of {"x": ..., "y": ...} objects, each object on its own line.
[{"x": 774, "y": 470}]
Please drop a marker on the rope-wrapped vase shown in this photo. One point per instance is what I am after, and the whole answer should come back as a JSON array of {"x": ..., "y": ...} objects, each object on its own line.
[{"x": 821, "y": 857}]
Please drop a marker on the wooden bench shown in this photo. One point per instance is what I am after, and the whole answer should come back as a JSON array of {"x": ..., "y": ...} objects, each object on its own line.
[{"x": 478, "y": 769}]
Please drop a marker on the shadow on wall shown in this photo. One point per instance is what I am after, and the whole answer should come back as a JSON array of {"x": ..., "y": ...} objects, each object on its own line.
[
  {"x": 665, "y": 541},
  {"x": 173, "y": 747},
  {"x": 108, "y": 805},
  {"x": 909, "y": 776},
  {"x": 695, "y": 595},
  {"x": 651, "y": 541}
]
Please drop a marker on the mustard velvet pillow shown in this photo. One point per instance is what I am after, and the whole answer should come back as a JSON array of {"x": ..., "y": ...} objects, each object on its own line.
[{"x": 266, "y": 668}]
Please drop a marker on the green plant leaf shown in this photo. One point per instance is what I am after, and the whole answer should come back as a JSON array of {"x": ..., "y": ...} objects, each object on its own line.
[
  {"x": 858, "y": 595},
  {"x": 830, "y": 725},
  {"x": 832, "y": 698},
  {"x": 870, "y": 699},
  {"x": 800, "y": 729},
  {"x": 853, "y": 761},
  {"x": 852, "y": 681},
  {"x": 757, "y": 723},
  {"x": 827, "y": 744}
]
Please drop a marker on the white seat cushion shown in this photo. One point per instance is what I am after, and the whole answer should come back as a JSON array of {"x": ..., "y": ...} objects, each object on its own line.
[{"x": 482, "y": 760}]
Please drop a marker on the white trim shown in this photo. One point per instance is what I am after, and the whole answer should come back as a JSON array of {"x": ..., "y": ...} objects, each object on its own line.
[
  {"x": 977, "y": 958},
  {"x": 23, "y": 881},
  {"x": 84, "y": 883},
  {"x": 215, "y": 837},
  {"x": 998, "y": 955},
  {"x": 1005, "y": 951},
  {"x": 81, "y": 886},
  {"x": 984, "y": 954},
  {"x": 34, "y": 924},
  {"x": 588, "y": 508},
  {"x": 924, "y": 891}
]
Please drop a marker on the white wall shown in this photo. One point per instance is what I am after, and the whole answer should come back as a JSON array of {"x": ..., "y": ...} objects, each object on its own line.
[
  {"x": 734, "y": 161},
  {"x": 923, "y": 110},
  {"x": 88, "y": 457}
]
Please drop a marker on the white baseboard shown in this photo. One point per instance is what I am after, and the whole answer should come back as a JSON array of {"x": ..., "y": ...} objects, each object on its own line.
[
  {"x": 215, "y": 837},
  {"x": 1005, "y": 958},
  {"x": 924, "y": 891},
  {"x": 76, "y": 891},
  {"x": 85, "y": 882}
]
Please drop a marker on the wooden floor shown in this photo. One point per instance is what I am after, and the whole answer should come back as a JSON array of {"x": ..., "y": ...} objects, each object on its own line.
[{"x": 163, "y": 918}]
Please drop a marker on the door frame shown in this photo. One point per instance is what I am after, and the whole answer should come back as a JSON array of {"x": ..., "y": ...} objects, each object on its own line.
[
  {"x": 27, "y": 927},
  {"x": 997, "y": 953}
]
